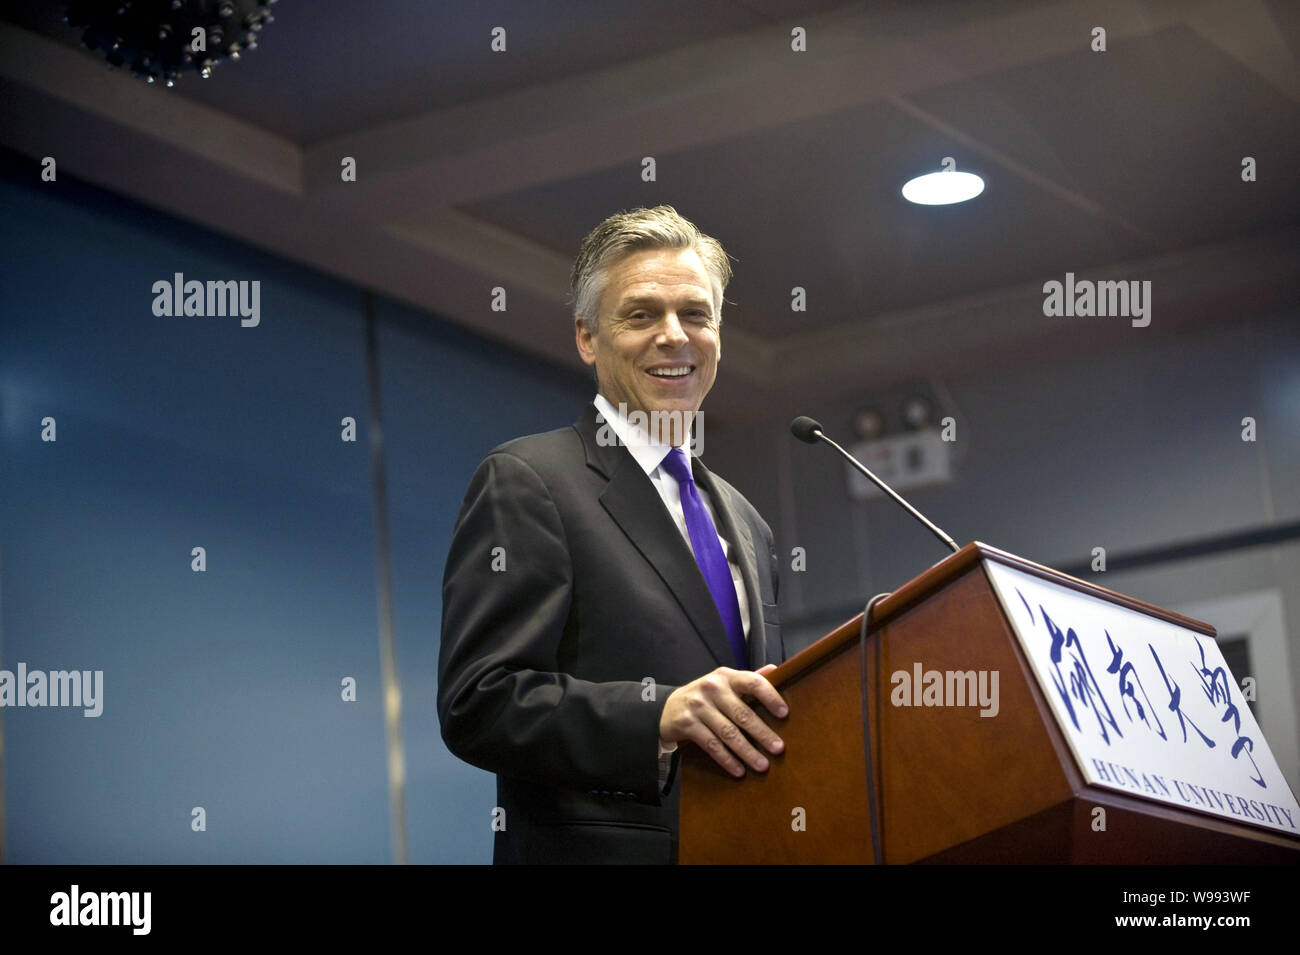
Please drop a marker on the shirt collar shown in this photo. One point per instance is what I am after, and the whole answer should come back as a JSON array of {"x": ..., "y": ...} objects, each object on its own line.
[{"x": 648, "y": 454}]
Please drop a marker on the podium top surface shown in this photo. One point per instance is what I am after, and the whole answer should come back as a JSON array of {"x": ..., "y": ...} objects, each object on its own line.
[{"x": 944, "y": 573}]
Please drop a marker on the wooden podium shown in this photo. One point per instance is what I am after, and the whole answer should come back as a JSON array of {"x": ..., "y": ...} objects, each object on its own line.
[{"x": 950, "y": 786}]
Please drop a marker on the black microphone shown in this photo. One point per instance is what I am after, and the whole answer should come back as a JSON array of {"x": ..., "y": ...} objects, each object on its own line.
[{"x": 806, "y": 429}]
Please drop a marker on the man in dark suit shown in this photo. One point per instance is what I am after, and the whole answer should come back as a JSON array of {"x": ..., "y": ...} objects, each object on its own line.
[{"x": 606, "y": 597}]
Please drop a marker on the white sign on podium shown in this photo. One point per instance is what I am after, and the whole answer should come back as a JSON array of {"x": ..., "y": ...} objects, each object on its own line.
[{"x": 1149, "y": 708}]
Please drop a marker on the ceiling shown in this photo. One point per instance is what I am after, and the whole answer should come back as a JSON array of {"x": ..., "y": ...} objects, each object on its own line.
[{"x": 479, "y": 169}]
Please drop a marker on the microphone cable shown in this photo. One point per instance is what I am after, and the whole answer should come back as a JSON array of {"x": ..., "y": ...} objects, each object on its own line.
[{"x": 877, "y": 850}]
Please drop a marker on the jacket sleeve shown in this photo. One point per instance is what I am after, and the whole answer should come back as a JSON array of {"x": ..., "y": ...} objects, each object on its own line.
[{"x": 503, "y": 702}]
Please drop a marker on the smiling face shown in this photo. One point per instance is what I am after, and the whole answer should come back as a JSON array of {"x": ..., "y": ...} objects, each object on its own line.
[{"x": 657, "y": 344}]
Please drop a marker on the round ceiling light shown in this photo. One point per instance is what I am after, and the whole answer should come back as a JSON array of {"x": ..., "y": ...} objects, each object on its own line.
[{"x": 943, "y": 188}]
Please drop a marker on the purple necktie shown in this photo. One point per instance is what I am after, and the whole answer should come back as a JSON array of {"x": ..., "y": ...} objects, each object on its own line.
[{"x": 708, "y": 554}]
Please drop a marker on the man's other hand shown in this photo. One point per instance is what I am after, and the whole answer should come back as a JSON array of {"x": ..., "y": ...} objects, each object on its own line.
[{"x": 710, "y": 713}]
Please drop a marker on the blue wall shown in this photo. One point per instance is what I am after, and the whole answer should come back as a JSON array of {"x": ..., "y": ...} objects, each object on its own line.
[
  {"x": 443, "y": 410},
  {"x": 222, "y": 688}
]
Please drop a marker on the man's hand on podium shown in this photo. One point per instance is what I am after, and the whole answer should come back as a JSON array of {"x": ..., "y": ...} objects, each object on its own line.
[{"x": 710, "y": 713}]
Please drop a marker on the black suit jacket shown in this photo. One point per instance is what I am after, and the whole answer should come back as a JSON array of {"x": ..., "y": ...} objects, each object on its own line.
[{"x": 560, "y": 649}]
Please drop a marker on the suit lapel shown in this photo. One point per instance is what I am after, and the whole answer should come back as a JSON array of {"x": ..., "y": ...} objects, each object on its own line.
[
  {"x": 634, "y": 504},
  {"x": 738, "y": 534}
]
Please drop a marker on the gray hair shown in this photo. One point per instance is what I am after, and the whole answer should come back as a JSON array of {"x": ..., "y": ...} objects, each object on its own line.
[{"x": 623, "y": 233}]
